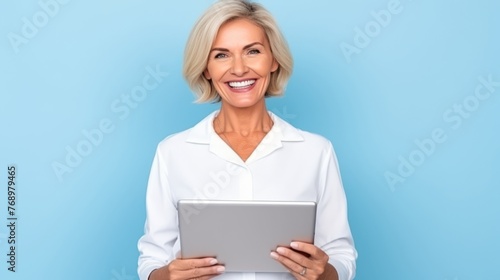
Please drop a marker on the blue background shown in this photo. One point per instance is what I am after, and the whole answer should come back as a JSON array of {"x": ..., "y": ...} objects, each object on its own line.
[{"x": 441, "y": 221}]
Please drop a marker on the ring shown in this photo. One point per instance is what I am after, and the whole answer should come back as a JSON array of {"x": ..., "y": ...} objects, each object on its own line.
[{"x": 303, "y": 272}]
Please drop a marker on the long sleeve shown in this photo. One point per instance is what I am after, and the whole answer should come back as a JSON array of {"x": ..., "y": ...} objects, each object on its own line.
[
  {"x": 160, "y": 230},
  {"x": 188, "y": 164},
  {"x": 332, "y": 227}
]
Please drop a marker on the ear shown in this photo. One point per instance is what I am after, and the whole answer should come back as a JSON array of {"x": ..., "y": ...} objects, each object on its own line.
[
  {"x": 207, "y": 74},
  {"x": 275, "y": 65}
]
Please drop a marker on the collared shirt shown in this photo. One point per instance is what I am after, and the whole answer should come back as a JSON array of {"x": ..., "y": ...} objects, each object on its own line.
[{"x": 288, "y": 164}]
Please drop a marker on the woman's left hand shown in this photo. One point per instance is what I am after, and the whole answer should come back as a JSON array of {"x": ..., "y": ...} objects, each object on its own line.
[{"x": 298, "y": 264}]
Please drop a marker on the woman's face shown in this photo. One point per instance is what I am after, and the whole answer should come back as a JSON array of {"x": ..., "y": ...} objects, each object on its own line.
[{"x": 240, "y": 63}]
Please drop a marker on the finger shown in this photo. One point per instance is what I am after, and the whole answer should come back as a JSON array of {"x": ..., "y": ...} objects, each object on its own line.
[
  {"x": 202, "y": 272},
  {"x": 206, "y": 277},
  {"x": 196, "y": 273},
  {"x": 180, "y": 264},
  {"x": 313, "y": 251},
  {"x": 299, "y": 275},
  {"x": 289, "y": 264},
  {"x": 294, "y": 256}
]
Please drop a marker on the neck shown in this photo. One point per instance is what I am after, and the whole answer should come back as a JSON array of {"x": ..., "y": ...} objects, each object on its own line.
[{"x": 243, "y": 121}]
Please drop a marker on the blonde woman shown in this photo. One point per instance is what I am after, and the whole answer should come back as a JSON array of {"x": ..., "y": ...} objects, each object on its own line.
[{"x": 236, "y": 55}]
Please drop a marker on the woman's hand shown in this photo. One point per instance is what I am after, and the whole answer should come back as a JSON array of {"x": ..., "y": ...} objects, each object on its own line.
[
  {"x": 302, "y": 267},
  {"x": 181, "y": 269}
]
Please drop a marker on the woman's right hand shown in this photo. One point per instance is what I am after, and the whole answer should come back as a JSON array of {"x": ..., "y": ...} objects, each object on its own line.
[{"x": 183, "y": 269}]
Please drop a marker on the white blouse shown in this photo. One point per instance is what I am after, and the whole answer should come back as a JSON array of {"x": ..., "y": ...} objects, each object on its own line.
[{"x": 288, "y": 164}]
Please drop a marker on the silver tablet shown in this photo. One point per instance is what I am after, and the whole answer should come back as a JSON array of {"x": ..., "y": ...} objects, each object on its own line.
[{"x": 242, "y": 234}]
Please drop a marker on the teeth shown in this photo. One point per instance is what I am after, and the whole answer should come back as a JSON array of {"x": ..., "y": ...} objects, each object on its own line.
[{"x": 241, "y": 84}]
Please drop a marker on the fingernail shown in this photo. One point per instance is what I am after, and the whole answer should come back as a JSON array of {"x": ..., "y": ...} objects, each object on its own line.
[
  {"x": 280, "y": 250},
  {"x": 213, "y": 261},
  {"x": 221, "y": 269},
  {"x": 294, "y": 245},
  {"x": 274, "y": 255}
]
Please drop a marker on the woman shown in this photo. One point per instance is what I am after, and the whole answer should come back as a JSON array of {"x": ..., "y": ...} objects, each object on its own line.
[{"x": 237, "y": 55}]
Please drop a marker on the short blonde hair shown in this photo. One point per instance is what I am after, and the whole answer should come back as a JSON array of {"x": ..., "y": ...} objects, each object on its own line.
[{"x": 203, "y": 35}]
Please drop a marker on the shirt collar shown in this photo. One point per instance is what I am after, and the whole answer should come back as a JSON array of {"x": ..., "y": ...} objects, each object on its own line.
[{"x": 203, "y": 132}]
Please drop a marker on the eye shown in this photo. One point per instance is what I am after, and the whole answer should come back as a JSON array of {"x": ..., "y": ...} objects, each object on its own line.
[
  {"x": 253, "y": 51},
  {"x": 220, "y": 55}
]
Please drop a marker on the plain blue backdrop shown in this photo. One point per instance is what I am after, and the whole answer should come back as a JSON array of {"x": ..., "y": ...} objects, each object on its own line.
[{"x": 407, "y": 91}]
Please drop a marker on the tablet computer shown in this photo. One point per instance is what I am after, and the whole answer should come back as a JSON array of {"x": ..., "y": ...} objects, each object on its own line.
[{"x": 241, "y": 234}]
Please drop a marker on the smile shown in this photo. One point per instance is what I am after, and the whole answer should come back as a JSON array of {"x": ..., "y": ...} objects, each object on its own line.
[{"x": 241, "y": 84}]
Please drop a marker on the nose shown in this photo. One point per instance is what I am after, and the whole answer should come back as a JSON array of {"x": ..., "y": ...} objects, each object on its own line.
[{"x": 238, "y": 67}]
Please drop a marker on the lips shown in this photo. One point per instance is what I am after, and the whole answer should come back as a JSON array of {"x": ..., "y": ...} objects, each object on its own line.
[{"x": 241, "y": 84}]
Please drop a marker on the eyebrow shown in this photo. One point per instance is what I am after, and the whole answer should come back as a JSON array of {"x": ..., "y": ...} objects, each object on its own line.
[{"x": 245, "y": 47}]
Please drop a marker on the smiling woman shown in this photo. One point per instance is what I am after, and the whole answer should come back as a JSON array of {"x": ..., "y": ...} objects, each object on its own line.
[
  {"x": 236, "y": 55},
  {"x": 240, "y": 64},
  {"x": 203, "y": 35}
]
